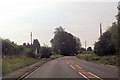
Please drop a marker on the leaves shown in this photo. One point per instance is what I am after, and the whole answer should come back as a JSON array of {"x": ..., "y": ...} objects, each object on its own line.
[{"x": 65, "y": 43}]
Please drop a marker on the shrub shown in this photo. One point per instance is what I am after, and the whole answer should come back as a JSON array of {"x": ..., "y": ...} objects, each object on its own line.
[{"x": 45, "y": 52}]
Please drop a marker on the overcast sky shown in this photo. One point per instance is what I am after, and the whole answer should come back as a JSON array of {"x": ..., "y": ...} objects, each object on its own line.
[{"x": 82, "y": 19}]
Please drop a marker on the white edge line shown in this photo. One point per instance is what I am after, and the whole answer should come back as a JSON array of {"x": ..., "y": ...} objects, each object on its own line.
[
  {"x": 94, "y": 75},
  {"x": 83, "y": 76},
  {"x": 79, "y": 66},
  {"x": 31, "y": 73},
  {"x": 72, "y": 66}
]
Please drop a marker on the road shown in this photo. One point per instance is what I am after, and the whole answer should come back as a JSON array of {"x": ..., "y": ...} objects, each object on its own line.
[{"x": 71, "y": 67}]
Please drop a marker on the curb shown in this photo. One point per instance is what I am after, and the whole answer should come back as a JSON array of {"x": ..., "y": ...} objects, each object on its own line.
[{"x": 36, "y": 67}]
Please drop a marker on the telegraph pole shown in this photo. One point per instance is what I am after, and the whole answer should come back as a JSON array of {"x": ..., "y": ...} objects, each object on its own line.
[
  {"x": 31, "y": 37},
  {"x": 100, "y": 30},
  {"x": 85, "y": 44}
]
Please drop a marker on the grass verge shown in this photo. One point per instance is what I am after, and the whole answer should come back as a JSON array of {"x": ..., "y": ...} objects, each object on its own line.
[
  {"x": 107, "y": 60},
  {"x": 56, "y": 56},
  {"x": 11, "y": 64}
]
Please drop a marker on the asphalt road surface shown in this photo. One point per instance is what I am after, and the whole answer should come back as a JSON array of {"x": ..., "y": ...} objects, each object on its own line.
[{"x": 71, "y": 67}]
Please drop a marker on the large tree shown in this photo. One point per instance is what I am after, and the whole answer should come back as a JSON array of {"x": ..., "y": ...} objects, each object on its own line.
[
  {"x": 105, "y": 46},
  {"x": 65, "y": 43},
  {"x": 109, "y": 42},
  {"x": 118, "y": 22}
]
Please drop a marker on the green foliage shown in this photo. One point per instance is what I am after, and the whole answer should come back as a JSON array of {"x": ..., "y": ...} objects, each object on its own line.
[
  {"x": 10, "y": 48},
  {"x": 65, "y": 43},
  {"x": 56, "y": 56},
  {"x": 105, "y": 46},
  {"x": 82, "y": 50},
  {"x": 45, "y": 52},
  {"x": 11, "y": 64},
  {"x": 108, "y": 60},
  {"x": 36, "y": 45},
  {"x": 109, "y": 42},
  {"x": 52, "y": 57},
  {"x": 44, "y": 59},
  {"x": 88, "y": 52},
  {"x": 89, "y": 49},
  {"x": 118, "y": 22},
  {"x": 111, "y": 60}
]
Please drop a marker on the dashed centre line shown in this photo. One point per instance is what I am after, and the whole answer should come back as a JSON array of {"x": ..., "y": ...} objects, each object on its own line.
[
  {"x": 67, "y": 62},
  {"x": 72, "y": 66},
  {"x": 85, "y": 74},
  {"x": 78, "y": 66}
]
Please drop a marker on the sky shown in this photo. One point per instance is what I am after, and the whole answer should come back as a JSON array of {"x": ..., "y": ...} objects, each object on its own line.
[{"x": 81, "y": 18}]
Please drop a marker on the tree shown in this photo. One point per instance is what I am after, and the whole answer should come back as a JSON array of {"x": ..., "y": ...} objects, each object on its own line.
[
  {"x": 114, "y": 35},
  {"x": 65, "y": 43},
  {"x": 82, "y": 49},
  {"x": 36, "y": 45},
  {"x": 89, "y": 49},
  {"x": 45, "y": 52},
  {"x": 109, "y": 43},
  {"x": 118, "y": 22},
  {"x": 24, "y": 44},
  {"x": 104, "y": 45},
  {"x": 78, "y": 44},
  {"x": 10, "y": 48}
]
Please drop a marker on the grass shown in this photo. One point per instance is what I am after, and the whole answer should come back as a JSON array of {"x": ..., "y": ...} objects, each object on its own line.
[
  {"x": 44, "y": 59},
  {"x": 111, "y": 60},
  {"x": 11, "y": 64},
  {"x": 107, "y": 60},
  {"x": 56, "y": 56},
  {"x": 52, "y": 57}
]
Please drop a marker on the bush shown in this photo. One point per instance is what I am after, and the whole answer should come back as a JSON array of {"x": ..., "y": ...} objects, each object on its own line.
[
  {"x": 109, "y": 60},
  {"x": 89, "y": 49},
  {"x": 45, "y": 52},
  {"x": 10, "y": 48}
]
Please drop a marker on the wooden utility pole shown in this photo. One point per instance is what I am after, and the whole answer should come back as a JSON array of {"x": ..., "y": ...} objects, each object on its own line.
[
  {"x": 31, "y": 37},
  {"x": 85, "y": 44},
  {"x": 100, "y": 30}
]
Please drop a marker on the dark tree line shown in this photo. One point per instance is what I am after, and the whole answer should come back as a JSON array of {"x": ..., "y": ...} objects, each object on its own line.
[
  {"x": 13, "y": 50},
  {"x": 109, "y": 42},
  {"x": 10, "y": 48},
  {"x": 45, "y": 52},
  {"x": 34, "y": 48},
  {"x": 105, "y": 45},
  {"x": 65, "y": 43}
]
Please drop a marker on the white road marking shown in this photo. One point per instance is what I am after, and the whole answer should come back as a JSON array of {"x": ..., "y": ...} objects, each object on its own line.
[
  {"x": 67, "y": 62},
  {"x": 83, "y": 76},
  {"x": 72, "y": 66},
  {"x": 31, "y": 73},
  {"x": 94, "y": 75},
  {"x": 78, "y": 66},
  {"x": 86, "y": 77}
]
